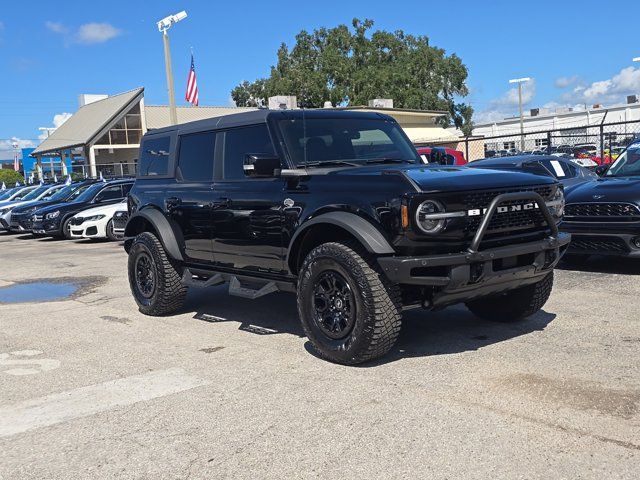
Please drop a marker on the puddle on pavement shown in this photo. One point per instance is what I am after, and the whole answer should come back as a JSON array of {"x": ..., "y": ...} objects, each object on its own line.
[{"x": 48, "y": 290}]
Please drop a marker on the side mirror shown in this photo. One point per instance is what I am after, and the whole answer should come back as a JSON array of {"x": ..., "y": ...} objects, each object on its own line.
[
  {"x": 601, "y": 170},
  {"x": 261, "y": 165}
]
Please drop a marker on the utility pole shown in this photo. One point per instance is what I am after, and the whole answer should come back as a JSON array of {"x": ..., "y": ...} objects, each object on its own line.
[
  {"x": 163, "y": 26},
  {"x": 520, "y": 81}
]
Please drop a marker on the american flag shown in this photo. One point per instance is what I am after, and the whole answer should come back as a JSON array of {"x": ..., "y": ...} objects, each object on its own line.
[{"x": 192, "y": 86}]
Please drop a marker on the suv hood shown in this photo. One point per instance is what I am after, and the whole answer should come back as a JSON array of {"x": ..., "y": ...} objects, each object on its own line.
[
  {"x": 612, "y": 189},
  {"x": 63, "y": 207},
  {"x": 438, "y": 178},
  {"x": 107, "y": 210}
]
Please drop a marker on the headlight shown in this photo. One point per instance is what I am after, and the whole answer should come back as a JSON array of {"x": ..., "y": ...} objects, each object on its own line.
[
  {"x": 52, "y": 215},
  {"x": 94, "y": 218},
  {"x": 556, "y": 205},
  {"x": 429, "y": 216}
]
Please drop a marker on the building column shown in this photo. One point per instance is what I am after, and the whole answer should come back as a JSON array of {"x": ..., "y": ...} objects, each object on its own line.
[
  {"x": 63, "y": 164},
  {"x": 39, "y": 167},
  {"x": 93, "y": 172}
]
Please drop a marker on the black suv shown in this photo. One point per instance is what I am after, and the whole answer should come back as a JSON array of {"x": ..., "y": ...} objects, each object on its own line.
[
  {"x": 55, "y": 220},
  {"x": 604, "y": 215},
  {"x": 337, "y": 207}
]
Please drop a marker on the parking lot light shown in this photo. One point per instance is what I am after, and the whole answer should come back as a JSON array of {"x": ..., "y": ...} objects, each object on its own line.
[
  {"x": 163, "y": 26},
  {"x": 520, "y": 81}
]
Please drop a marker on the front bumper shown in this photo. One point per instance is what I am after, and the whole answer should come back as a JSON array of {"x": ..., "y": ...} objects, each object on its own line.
[
  {"x": 594, "y": 238},
  {"x": 475, "y": 273},
  {"x": 45, "y": 227},
  {"x": 88, "y": 230}
]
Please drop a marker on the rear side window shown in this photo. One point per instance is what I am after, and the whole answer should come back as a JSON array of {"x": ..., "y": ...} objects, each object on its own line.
[
  {"x": 195, "y": 156},
  {"x": 110, "y": 193},
  {"x": 239, "y": 143},
  {"x": 559, "y": 169},
  {"x": 154, "y": 157}
]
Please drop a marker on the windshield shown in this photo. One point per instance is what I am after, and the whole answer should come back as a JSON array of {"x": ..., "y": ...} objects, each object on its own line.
[
  {"x": 23, "y": 193},
  {"x": 88, "y": 193},
  {"x": 34, "y": 194},
  {"x": 627, "y": 164},
  {"x": 349, "y": 141},
  {"x": 7, "y": 193},
  {"x": 68, "y": 193}
]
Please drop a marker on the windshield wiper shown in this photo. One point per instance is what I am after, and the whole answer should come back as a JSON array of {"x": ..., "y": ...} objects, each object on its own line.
[
  {"x": 389, "y": 160},
  {"x": 322, "y": 163}
]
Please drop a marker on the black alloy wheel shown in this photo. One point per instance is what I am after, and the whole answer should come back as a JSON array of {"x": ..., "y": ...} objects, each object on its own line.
[
  {"x": 145, "y": 275},
  {"x": 334, "y": 309}
]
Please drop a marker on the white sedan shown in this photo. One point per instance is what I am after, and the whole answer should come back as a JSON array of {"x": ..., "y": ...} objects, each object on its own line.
[{"x": 96, "y": 222}]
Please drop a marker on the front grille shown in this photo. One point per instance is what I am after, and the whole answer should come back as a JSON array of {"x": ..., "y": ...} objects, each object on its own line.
[
  {"x": 602, "y": 212},
  {"x": 506, "y": 221},
  {"x": 37, "y": 218},
  {"x": 599, "y": 245},
  {"x": 120, "y": 220},
  {"x": 76, "y": 221}
]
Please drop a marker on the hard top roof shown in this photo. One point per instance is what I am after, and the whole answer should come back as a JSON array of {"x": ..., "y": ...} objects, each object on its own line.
[{"x": 261, "y": 116}]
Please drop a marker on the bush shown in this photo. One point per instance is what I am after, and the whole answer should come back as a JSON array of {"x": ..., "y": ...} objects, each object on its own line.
[{"x": 10, "y": 177}]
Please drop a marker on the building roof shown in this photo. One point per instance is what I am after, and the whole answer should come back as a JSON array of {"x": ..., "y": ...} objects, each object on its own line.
[
  {"x": 89, "y": 122},
  {"x": 157, "y": 116}
]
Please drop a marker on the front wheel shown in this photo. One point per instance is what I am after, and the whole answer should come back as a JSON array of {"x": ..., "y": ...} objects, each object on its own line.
[
  {"x": 349, "y": 310},
  {"x": 515, "y": 304},
  {"x": 110, "y": 234},
  {"x": 155, "y": 283}
]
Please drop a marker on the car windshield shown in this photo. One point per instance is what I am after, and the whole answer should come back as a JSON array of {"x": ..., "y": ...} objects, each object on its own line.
[
  {"x": 345, "y": 141},
  {"x": 34, "y": 194},
  {"x": 88, "y": 193},
  {"x": 627, "y": 164},
  {"x": 68, "y": 193},
  {"x": 7, "y": 193},
  {"x": 22, "y": 193}
]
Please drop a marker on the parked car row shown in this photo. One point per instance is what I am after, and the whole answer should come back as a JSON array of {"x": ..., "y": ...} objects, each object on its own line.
[{"x": 76, "y": 210}]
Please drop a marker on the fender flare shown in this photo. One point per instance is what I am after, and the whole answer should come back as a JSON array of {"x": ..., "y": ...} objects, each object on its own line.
[
  {"x": 163, "y": 228},
  {"x": 365, "y": 232}
]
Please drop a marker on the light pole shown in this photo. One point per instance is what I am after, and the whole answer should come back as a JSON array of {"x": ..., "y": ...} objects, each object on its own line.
[
  {"x": 520, "y": 81},
  {"x": 163, "y": 26}
]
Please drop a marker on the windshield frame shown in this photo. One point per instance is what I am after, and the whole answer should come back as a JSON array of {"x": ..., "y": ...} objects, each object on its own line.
[{"x": 620, "y": 162}]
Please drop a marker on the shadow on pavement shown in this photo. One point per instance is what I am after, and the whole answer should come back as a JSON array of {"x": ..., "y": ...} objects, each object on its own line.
[
  {"x": 602, "y": 264},
  {"x": 453, "y": 330}
]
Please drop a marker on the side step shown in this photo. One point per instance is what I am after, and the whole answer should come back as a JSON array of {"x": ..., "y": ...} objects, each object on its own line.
[
  {"x": 236, "y": 289},
  {"x": 190, "y": 281}
]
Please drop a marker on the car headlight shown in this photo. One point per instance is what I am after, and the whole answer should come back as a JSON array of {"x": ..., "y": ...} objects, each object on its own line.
[
  {"x": 94, "y": 218},
  {"x": 52, "y": 215},
  {"x": 556, "y": 204},
  {"x": 429, "y": 216}
]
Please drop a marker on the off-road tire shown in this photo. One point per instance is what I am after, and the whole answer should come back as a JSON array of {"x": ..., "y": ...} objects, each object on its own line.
[
  {"x": 110, "y": 235},
  {"x": 377, "y": 303},
  {"x": 169, "y": 293},
  {"x": 515, "y": 304}
]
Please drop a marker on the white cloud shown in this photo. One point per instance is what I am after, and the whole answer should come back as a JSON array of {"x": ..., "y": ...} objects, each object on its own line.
[
  {"x": 86, "y": 34},
  {"x": 609, "y": 91},
  {"x": 58, "y": 119},
  {"x": 564, "y": 82},
  {"x": 507, "y": 104},
  {"x": 56, "y": 27},
  {"x": 91, "y": 33},
  {"x": 7, "y": 145}
]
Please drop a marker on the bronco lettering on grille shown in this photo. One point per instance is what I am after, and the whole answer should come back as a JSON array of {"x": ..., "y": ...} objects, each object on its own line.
[{"x": 475, "y": 212}]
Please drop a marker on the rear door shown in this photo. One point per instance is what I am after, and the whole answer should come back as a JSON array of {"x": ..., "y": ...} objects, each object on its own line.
[
  {"x": 247, "y": 215},
  {"x": 189, "y": 199}
]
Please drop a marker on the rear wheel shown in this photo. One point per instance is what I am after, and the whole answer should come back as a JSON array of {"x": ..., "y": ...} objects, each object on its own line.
[
  {"x": 349, "y": 310},
  {"x": 155, "y": 283},
  {"x": 515, "y": 304}
]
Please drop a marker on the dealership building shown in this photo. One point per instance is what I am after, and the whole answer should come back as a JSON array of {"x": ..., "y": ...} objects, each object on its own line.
[{"x": 103, "y": 136}]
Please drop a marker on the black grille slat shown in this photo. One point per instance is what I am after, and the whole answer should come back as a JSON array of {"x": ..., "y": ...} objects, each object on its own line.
[
  {"x": 601, "y": 245},
  {"x": 506, "y": 221},
  {"x": 602, "y": 212}
]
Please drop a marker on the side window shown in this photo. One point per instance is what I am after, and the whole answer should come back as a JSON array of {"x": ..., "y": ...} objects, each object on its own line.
[
  {"x": 195, "y": 156},
  {"x": 154, "y": 156},
  {"x": 239, "y": 143},
  {"x": 110, "y": 193}
]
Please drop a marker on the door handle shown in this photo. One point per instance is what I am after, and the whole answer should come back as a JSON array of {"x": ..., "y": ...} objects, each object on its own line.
[{"x": 222, "y": 202}]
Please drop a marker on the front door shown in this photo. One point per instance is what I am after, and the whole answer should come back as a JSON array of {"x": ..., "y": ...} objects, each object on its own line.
[{"x": 247, "y": 212}]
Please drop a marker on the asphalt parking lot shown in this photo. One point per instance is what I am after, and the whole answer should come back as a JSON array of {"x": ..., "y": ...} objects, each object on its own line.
[{"x": 229, "y": 388}]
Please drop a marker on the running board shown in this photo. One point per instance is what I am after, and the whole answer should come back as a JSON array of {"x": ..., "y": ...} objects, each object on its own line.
[
  {"x": 190, "y": 281},
  {"x": 236, "y": 289}
]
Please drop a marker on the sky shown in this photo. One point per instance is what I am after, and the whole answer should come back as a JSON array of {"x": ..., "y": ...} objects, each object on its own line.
[{"x": 576, "y": 52}]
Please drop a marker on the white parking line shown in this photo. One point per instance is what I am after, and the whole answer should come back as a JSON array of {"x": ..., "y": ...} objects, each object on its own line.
[{"x": 85, "y": 401}]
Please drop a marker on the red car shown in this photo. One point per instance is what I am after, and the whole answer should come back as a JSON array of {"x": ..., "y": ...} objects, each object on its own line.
[{"x": 441, "y": 155}]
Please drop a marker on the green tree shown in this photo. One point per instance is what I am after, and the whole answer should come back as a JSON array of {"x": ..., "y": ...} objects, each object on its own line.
[
  {"x": 350, "y": 66},
  {"x": 10, "y": 177}
]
